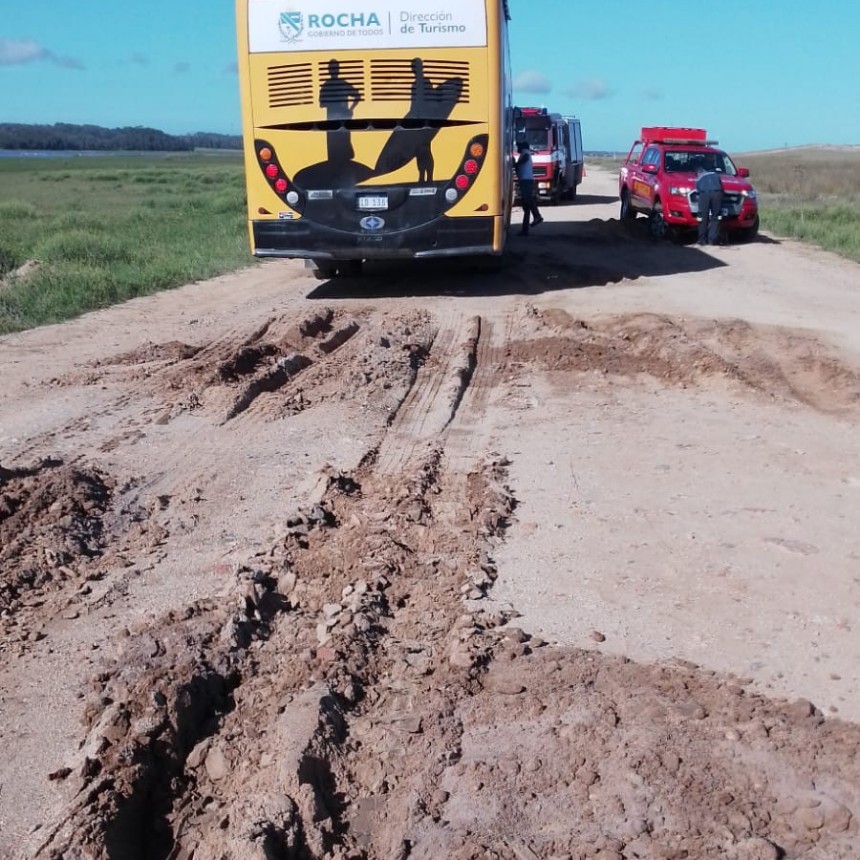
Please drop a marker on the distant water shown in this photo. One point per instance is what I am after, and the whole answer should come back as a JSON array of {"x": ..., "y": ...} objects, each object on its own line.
[{"x": 70, "y": 153}]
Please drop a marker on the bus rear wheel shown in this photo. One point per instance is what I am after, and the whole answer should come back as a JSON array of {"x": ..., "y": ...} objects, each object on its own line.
[{"x": 325, "y": 270}]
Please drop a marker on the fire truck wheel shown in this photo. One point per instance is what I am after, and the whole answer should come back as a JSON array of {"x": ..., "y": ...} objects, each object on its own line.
[
  {"x": 657, "y": 228},
  {"x": 749, "y": 233},
  {"x": 628, "y": 213}
]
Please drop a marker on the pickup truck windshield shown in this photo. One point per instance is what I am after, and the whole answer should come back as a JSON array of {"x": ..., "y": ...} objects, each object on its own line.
[{"x": 690, "y": 162}]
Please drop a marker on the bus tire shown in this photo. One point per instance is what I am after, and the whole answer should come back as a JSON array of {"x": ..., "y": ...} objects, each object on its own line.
[
  {"x": 488, "y": 264},
  {"x": 324, "y": 270},
  {"x": 351, "y": 268}
]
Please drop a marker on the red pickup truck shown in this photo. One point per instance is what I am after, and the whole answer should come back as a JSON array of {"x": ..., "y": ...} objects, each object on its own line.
[{"x": 658, "y": 178}]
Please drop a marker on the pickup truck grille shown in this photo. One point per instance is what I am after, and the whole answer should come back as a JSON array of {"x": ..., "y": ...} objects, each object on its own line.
[{"x": 732, "y": 202}]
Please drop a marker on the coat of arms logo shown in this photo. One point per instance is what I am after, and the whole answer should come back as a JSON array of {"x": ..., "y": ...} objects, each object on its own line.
[{"x": 291, "y": 25}]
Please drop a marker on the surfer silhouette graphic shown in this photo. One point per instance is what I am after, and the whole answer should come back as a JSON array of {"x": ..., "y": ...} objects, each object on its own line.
[
  {"x": 421, "y": 107},
  {"x": 430, "y": 106},
  {"x": 339, "y": 97}
]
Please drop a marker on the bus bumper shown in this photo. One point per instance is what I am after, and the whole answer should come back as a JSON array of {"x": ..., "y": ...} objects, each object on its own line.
[{"x": 444, "y": 237}]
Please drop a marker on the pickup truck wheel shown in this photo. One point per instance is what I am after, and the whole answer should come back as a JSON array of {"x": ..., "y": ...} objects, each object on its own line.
[
  {"x": 749, "y": 233},
  {"x": 573, "y": 192},
  {"x": 657, "y": 228},
  {"x": 628, "y": 213}
]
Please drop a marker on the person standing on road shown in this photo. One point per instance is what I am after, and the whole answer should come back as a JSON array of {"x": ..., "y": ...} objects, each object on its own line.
[
  {"x": 710, "y": 188},
  {"x": 526, "y": 177}
]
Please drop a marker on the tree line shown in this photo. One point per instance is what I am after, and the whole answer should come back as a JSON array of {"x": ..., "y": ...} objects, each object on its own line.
[{"x": 66, "y": 136}]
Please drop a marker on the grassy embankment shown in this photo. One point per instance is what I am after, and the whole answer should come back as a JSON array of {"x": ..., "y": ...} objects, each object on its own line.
[
  {"x": 105, "y": 229},
  {"x": 811, "y": 194}
]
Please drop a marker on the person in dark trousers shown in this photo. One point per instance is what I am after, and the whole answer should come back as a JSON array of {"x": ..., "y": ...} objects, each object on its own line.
[
  {"x": 710, "y": 188},
  {"x": 526, "y": 178}
]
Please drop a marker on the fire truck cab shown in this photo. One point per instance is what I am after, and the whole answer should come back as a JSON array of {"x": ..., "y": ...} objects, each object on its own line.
[{"x": 556, "y": 146}]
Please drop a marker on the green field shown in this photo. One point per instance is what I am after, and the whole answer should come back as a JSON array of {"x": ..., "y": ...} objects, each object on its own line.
[
  {"x": 106, "y": 229},
  {"x": 810, "y": 193}
]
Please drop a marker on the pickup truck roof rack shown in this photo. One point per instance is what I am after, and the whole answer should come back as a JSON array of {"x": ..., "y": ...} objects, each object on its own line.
[{"x": 676, "y": 136}]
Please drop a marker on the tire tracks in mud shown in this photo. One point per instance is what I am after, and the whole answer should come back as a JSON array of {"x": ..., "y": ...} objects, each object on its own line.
[
  {"x": 341, "y": 701},
  {"x": 394, "y": 552}
]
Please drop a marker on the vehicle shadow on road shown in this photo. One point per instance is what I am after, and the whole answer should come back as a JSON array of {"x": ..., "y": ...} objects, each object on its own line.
[
  {"x": 593, "y": 199},
  {"x": 557, "y": 255}
]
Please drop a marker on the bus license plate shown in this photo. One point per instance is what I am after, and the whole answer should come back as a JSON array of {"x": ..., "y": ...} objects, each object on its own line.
[{"x": 367, "y": 203}]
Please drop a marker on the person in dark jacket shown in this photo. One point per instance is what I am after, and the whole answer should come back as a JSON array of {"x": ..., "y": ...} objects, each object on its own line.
[
  {"x": 526, "y": 178},
  {"x": 710, "y": 188}
]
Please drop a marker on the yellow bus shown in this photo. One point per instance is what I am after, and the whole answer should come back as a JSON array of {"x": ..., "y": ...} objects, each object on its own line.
[{"x": 375, "y": 130}]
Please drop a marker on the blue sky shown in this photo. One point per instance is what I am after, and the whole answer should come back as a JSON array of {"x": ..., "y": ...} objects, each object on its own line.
[{"x": 757, "y": 74}]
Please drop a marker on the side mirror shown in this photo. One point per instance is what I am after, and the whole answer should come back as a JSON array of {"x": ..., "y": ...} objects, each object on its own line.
[
  {"x": 650, "y": 168},
  {"x": 743, "y": 172}
]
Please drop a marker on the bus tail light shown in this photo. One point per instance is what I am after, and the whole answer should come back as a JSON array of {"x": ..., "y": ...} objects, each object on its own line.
[
  {"x": 470, "y": 167},
  {"x": 278, "y": 178}
]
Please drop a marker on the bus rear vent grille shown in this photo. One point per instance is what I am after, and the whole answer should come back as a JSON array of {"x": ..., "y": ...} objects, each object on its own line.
[
  {"x": 392, "y": 80},
  {"x": 291, "y": 85}
]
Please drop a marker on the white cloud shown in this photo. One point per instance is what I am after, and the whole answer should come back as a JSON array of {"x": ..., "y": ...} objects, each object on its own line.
[
  {"x": 17, "y": 53},
  {"x": 531, "y": 81},
  {"x": 13, "y": 53},
  {"x": 592, "y": 89}
]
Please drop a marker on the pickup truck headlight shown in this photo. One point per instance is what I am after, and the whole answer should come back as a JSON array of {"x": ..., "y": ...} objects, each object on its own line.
[
  {"x": 751, "y": 193},
  {"x": 679, "y": 190}
]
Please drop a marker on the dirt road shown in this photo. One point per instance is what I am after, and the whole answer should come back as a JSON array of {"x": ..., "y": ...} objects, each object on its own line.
[{"x": 561, "y": 562}]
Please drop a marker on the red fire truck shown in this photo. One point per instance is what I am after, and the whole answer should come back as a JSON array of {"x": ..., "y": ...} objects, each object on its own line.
[
  {"x": 556, "y": 145},
  {"x": 658, "y": 178}
]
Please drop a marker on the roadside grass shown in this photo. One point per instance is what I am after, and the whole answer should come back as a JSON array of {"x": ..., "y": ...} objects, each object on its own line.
[
  {"x": 812, "y": 194},
  {"x": 107, "y": 229}
]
